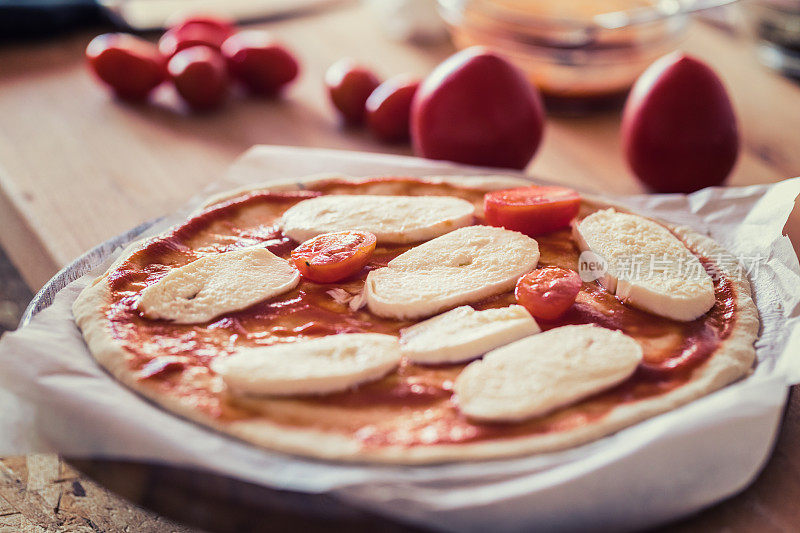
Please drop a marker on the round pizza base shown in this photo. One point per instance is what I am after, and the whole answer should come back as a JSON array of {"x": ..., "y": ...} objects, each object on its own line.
[{"x": 732, "y": 360}]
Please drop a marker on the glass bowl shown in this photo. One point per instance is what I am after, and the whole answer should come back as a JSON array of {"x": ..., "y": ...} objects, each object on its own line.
[
  {"x": 776, "y": 27},
  {"x": 583, "y": 55}
]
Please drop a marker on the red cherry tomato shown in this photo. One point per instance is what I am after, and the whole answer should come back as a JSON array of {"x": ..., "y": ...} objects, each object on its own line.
[
  {"x": 334, "y": 256},
  {"x": 349, "y": 86},
  {"x": 131, "y": 66},
  {"x": 548, "y": 292},
  {"x": 531, "y": 210},
  {"x": 389, "y": 108},
  {"x": 479, "y": 109},
  {"x": 194, "y": 31},
  {"x": 200, "y": 76},
  {"x": 260, "y": 63}
]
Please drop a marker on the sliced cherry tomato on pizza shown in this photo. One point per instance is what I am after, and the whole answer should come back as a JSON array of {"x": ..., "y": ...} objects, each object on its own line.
[
  {"x": 548, "y": 292},
  {"x": 334, "y": 256},
  {"x": 531, "y": 210}
]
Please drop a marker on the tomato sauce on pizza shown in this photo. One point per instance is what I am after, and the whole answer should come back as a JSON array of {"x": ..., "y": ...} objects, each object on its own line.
[{"x": 412, "y": 406}]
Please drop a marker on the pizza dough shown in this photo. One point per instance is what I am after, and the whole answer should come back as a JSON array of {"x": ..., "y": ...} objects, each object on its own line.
[{"x": 410, "y": 415}]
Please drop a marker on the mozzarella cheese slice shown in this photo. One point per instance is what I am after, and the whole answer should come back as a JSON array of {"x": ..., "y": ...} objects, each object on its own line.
[
  {"x": 463, "y": 266},
  {"x": 394, "y": 219},
  {"x": 535, "y": 375},
  {"x": 217, "y": 284},
  {"x": 317, "y": 366},
  {"x": 646, "y": 265},
  {"x": 463, "y": 333}
]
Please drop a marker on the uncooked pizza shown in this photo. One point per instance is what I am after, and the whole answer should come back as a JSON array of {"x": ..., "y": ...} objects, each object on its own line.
[{"x": 414, "y": 320}]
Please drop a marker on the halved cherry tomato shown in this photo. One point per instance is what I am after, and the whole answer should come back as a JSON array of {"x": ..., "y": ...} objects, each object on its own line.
[
  {"x": 200, "y": 76},
  {"x": 531, "y": 210},
  {"x": 334, "y": 256},
  {"x": 349, "y": 85},
  {"x": 194, "y": 31},
  {"x": 131, "y": 66},
  {"x": 548, "y": 292}
]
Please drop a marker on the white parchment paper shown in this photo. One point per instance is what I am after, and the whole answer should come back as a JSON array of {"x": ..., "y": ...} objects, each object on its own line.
[{"x": 53, "y": 396}]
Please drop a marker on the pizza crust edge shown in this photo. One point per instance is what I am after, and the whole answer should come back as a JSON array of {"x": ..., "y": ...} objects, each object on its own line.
[{"x": 731, "y": 361}]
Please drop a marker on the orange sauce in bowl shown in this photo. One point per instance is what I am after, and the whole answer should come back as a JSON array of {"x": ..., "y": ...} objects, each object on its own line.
[{"x": 577, "y": 64}]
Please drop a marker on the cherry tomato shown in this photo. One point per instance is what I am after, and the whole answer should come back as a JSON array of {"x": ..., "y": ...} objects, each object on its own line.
[
  {"x": 260, "y": 63},
  {"x": 531, "y": 210},
  {"x": 334, "y": 256},
  {"x": 349, "y": 86},
  {"x": 131, "y": 66},
  {"x": 389, "y": 108},
  {"x": 194, "y": 31},
  {"x": 548, "y": 292},
  {"x": 477, "y": 108},
  {"x": 200, "y": 76}
]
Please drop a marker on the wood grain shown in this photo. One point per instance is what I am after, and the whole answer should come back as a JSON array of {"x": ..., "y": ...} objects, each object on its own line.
[
  {"x": 40, "y": 493},
  {"x": 78, "y": 167}
]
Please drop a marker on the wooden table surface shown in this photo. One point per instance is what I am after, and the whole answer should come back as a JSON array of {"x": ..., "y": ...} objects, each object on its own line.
[{"x": 77, "y": 167}]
